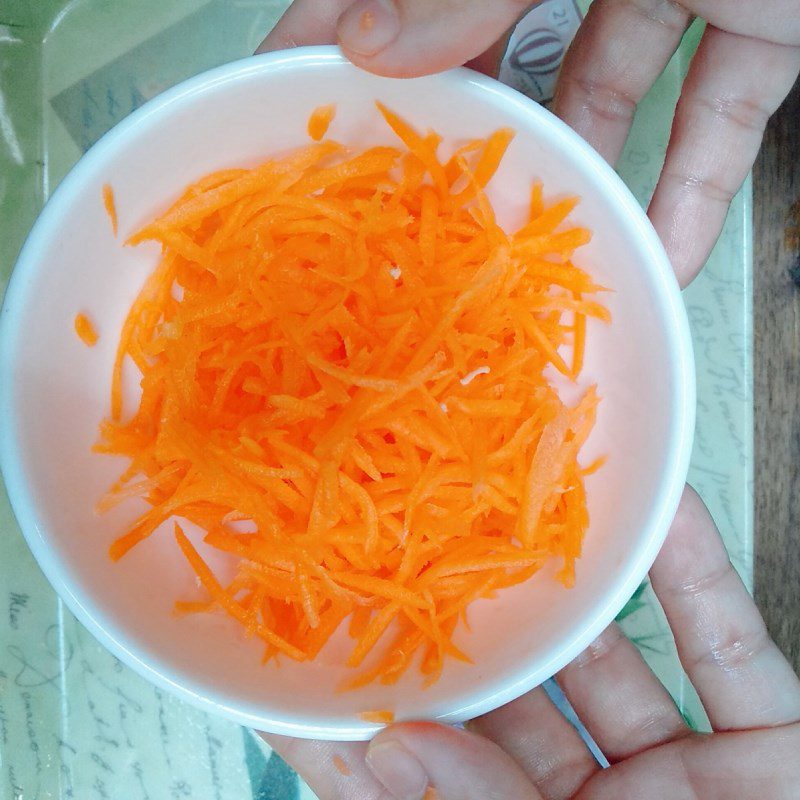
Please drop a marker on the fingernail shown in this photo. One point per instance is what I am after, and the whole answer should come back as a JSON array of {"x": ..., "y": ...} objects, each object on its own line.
[
  {"x": 398, "y": 770},
  {"x": 368, "y": 26}
]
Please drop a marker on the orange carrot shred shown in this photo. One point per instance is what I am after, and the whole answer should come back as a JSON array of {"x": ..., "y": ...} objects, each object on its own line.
[
  {"x": 595, "y": 465},
  {"x": 579, "y": 343},
  {"x": 417, "y": 145},
  {"x": 341, "y": 765},
  {"x": 110, "y": 206},
  {"x": 85, "y": 330},
  {"x": 345, "y": 384},
  {"x": 320, "y": 120},
  {"x": 536, "y": 204},
  {"x": 219, "y": 594},
  {"x": 380, "y": 717}
]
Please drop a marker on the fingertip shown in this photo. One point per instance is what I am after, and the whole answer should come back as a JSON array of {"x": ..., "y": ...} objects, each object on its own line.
[
  {"x": 396, "y": 767},
  {"x": 414, "y": 734},
  {"x": 688, "y": 227},
  {"x": 690, "y": 507},
  {"x": 693, "y": 540},
  {"x": 693, "y": 520},
  {"x": 456, "y": 763}
]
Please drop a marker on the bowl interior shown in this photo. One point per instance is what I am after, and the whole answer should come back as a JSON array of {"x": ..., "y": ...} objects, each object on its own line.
[{"x": 54, "y": 390}]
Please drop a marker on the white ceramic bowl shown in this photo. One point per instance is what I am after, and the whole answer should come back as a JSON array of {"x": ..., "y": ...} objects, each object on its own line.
[{"x": 54, "y": 390}]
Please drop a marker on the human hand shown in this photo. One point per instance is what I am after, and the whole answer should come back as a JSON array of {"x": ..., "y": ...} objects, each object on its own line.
[
  {"x": 746, "y": 64},
  {"x": 527, "y": 750}
]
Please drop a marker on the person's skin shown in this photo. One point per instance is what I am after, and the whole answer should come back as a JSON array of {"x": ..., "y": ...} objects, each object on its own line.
[{"x": 747, "y": 62}]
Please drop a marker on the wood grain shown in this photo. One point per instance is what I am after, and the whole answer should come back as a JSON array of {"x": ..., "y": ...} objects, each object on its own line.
[{"x": 776, "y": 182}]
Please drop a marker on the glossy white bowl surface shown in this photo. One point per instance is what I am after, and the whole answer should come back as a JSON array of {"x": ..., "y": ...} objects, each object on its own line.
[{"x": 54, "y": 391}]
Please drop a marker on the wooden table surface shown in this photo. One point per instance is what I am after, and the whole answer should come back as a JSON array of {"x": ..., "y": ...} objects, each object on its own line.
[{"x": 776, "y": 182}]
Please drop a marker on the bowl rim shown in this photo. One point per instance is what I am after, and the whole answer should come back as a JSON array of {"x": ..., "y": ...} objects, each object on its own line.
[{"x": 149, "y": 664}]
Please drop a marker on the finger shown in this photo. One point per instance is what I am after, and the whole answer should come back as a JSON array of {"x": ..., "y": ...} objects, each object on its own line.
[
  {"x": 334, "y": 770},
  {"x": 538, "y": 737},
  {"x": 619, "y": 50},
  {"x": 488, "y": 62},
  {"x": 623, "y": 705},
  {"x": 412, "y": 756},
  {"x": 309, "y": 22},
  {"x": 405, "y": 38},
  {"x": 739, "y": 673},
  {"x": 733, "y": 86},
  {"x": 305, "y": 22}
]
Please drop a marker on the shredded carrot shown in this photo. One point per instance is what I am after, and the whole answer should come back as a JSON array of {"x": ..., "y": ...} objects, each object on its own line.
[
  {"x": 320, "y": 120},
  {"x": 110, "y": 206},
  {"x": 85, "y": 329},
  {"x": 431, "y": 794},
  {"x": 344, "y": 384},
  {"x": 341, "y": 765},
  {"x": 579, "y": 342},
  {"x": 381, "y": 717}
]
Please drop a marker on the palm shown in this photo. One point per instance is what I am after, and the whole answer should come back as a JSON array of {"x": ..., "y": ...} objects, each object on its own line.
[
  {"x": 527, "y": 750},
  {"x": 741, "y": 764}
]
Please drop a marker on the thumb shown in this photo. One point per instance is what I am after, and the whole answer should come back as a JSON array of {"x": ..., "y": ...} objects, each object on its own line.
[
  {"x": 410, "y": 759},
  {"x": 406, "y": 38},
  {"x": 402, "y": 38}
]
